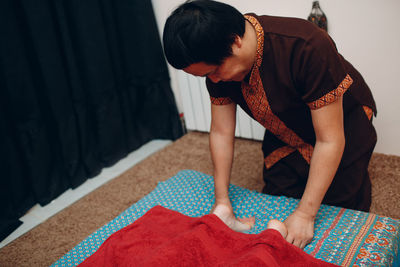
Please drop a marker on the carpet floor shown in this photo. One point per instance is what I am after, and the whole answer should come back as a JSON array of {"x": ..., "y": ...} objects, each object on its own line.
[{"x": 50, "y": 240}]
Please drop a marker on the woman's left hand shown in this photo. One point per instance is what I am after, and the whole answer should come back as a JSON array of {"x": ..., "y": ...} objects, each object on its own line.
[{"x": 300, "y": 226}]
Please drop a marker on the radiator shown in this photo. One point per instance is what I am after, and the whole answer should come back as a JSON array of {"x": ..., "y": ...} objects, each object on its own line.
[{"x": 197, "y": 109}]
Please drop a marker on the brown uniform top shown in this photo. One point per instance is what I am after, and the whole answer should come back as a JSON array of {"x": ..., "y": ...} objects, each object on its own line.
[{"x": 298, "y": 68}]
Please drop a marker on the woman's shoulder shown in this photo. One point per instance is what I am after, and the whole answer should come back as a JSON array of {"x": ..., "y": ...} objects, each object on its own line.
[{"x": 289, "y": 27}]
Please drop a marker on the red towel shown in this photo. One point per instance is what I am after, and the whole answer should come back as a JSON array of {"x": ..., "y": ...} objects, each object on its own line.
[{"x": 164, "y": 237}]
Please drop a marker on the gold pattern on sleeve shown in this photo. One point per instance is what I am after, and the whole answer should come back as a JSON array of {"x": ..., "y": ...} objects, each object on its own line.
[
  {"x": 368, "y": 111},
  {"x": 333, "y": 95}
]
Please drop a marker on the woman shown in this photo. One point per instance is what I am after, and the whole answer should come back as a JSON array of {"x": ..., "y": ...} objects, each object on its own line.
[{"x": 288, "y": 75}]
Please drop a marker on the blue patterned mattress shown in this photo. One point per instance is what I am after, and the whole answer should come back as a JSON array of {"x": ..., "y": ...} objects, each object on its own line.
[{"x": 342, "y": 236}]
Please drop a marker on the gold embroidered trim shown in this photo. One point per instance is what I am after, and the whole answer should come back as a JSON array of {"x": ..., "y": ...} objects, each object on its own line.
[
  {"x": 368, "y": 111},
  {"x": 277, "y": 155},
  {"x": 256, "y": 99},
  {"x": 260, "y": 38},
  {"x": 333, "y": 95},
  {"x": 221, "y": 100}
]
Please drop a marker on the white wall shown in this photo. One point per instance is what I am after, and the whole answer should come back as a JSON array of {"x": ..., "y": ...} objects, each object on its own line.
[{"x": 366, "y": 32}]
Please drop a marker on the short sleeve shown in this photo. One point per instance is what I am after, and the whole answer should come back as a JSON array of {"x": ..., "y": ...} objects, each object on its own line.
[
  {"x": 219, "y": 92},
  {"x": 322, "y": 73}
]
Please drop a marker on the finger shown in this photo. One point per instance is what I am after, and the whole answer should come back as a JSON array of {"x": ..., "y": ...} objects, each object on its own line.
[
  {"x": 289, "y": 238},
  {"x": 302, "y": 245},
  {"x": 297, "y": 242}
]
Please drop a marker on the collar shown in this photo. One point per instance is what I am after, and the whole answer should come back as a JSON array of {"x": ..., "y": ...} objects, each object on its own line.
[{"x": 260, "y": 39}]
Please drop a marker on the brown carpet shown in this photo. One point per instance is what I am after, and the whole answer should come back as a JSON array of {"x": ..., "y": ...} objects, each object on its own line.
[{"x": 49, "y": 241}]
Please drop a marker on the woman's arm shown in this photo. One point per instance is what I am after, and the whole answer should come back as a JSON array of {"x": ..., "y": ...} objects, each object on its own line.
[
  {"x": 222, "y": 137},
  {"x": 328, "y": 150}
]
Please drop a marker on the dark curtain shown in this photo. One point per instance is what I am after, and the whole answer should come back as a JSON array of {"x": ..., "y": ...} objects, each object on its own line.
[{"x": 82, "y": 83}]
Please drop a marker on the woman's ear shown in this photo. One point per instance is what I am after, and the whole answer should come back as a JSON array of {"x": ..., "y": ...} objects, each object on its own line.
[
  {"x": 238, "y": 41},
  {"x": 237, "y": 44}
]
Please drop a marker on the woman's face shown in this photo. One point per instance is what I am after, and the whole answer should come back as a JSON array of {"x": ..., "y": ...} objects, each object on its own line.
[
  {"x": 230, "y": 70},
  {"x": 233, "y": 68}
]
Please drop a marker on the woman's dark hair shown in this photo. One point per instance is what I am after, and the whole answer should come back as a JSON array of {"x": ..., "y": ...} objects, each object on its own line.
[{"x": 201, "y": 31}]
